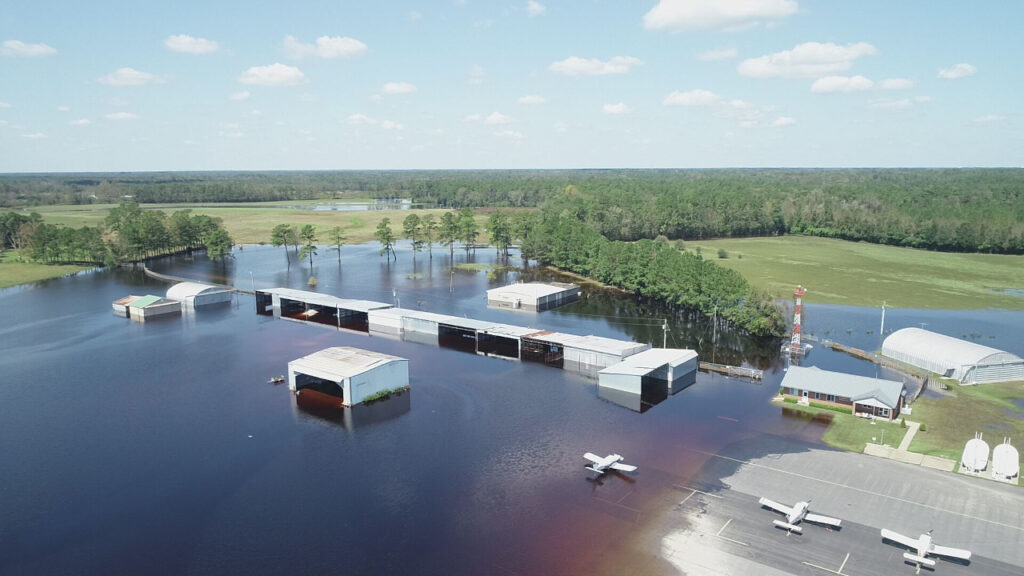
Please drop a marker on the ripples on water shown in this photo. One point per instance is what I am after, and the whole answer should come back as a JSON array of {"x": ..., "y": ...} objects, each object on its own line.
[{"x": 160, "y": 448}]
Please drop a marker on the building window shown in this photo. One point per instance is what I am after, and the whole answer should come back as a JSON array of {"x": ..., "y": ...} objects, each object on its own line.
[
  {"x": 831, "y": 397},
  {"x": 794, "y": 391},
  {"x": 883, "y": 412}
]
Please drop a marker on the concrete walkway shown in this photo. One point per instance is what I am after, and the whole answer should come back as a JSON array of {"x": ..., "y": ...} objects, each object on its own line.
[
  {"x": 936, "y": 462},
  {"x": 911, "y": 430}
]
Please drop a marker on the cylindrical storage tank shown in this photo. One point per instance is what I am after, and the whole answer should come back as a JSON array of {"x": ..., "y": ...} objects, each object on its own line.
[
  {"x": 975, "y": 457},
  {"x": 1005, "y": 462}
]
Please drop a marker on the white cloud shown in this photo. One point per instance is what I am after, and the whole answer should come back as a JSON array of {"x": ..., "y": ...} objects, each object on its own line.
[
  {"x": 34, "y": 136},
  {"x": 121, "y": 116},
  {"x": 696, "y": 97},
  {"x": 615, "y": 109},
  {"x": 783, "y": 121},
  {"x": 807, "y": 60},
  {"x": 129, "y": 77},
  {"x": 414, "y": 16},
  {"x": 239, "y": 96},
  {"x": 390, "y": 125},
  {"x": 63, "y": 108},
  {"x": 989, "y": 119},
  {"x": 922, "y": 98},
  {"x": 830, "y": 84},
  {"x": 275, "y": 74},
  {"x": 498, "y": 118},
  {"x": 364, "y": 120},
  {"x": 81, "y": 122},
  {"x": 398, "y": 88},
  {"x": 892, "y": 104},
  {"x": 576, "y": 66},
  {"x": 716, "y": 55},
  {"x": 190, "y": 45},
  {"x": 727, "y": 14},
  {"x": 17, "y": 48},
  {"x": 534, "y": 8},
  {"x": 360, "y": 119},
  {"x": 4, "y": 105},
  {"x": 510, "y": 134},
  {"x": 476, "y": 74},
  {"x": 957, "y": 71},
  {"x": 325, "y": 47},
  {"x": 530, "y": 100},
  {"x": 473, "y": 118},
  {"x": 896, "y": 84}
]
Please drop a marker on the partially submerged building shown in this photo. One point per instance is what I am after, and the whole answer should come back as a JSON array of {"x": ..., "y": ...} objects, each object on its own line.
[
  {"x": 533, "y": 296},
  {"x": 341, "y": 313},
  {"x": 194, "y": 295},
  {"x": 966, "y": 362},
  {"x": 121, "y": 305},
  {"x": 148, "y": 307},
  {"x": 862, "y": 395},
  {"x": 673, "y": 368},
  {"x": 351, "y": 374},
  {"x": 580, "y": 353}
]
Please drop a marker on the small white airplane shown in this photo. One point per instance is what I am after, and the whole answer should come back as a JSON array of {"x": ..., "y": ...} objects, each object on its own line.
[
  {"x": 609, "y": 462},
  {"x": 924, "y": 547},
  {"x": 796, "y": 514}
]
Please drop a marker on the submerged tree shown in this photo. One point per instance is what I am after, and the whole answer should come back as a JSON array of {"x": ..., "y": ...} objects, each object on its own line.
[
  {"x": 337, "y": 240},
  {"x": 386, "y": 237},
  {"x": 218, "y": 244},
  {"x": 429, "y": 232},
  {"x": 448, "y": 232},
  {"x": 412, "y": 228},
  {"x": 468, "y": 229},
  {"x": 500, "y": 228},
  {"x": 281, "y": 235},
  {"x": 308, "y": 235}
]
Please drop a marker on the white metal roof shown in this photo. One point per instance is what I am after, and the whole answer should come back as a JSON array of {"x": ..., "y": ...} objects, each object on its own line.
[
  {"x": 339, "y": 363},
  {"x": 941, "y": 350},
  {"x": 509, "y": 330},
  {"x": 326, "y": 299},
  {"x": 859, "y": 389},
  {"x": 184, "y": 290},
  {"x": 593, "y": 343},
  {"x": 643, "y": 363},
  {"x": 362, "y": 305},
  {"x": 532, "y": 290}
]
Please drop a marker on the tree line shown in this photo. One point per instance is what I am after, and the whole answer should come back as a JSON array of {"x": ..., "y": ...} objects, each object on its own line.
[{"x": 127, "y": 234}]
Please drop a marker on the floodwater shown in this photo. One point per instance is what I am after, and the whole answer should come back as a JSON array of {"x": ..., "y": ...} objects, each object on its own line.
[{"x": 160, "y": 448}]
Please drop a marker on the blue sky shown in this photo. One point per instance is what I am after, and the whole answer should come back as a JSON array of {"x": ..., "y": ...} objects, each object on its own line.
[{"x": 231, "y": 85}]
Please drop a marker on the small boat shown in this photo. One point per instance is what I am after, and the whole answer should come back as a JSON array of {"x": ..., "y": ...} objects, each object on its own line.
[{"x": 276, "y": 380}]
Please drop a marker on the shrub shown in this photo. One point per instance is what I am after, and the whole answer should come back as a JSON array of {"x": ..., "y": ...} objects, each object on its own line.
[
  {"x": 789, "y": 399},
  {"x": 840, "y": 409},
  {"x": 923, "y": 428},
  {"x": 722, "y": 253},
  {"x": 661, "y": 239},
  {"x": 903, "y": 422}
]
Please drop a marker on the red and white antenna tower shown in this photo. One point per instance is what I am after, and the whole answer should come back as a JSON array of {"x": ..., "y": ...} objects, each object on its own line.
[{"x": 796, "y": 347}]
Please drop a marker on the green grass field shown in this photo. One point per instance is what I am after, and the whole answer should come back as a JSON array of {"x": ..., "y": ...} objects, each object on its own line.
[
  {"x": 952, "y": 421},
  {"x": 13, "y": 273},
  {"x": 860, "y": 274}
]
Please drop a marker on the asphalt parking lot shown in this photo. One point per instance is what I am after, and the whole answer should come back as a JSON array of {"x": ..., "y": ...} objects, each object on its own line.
[{"x": 717, "y": 526}]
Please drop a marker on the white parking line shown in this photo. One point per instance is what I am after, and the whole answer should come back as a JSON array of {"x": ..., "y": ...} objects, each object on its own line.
[
  {"x": 681, "y": 487},
  {"x": 841, "y": 566},
  {"x": 722, "y": 529}
]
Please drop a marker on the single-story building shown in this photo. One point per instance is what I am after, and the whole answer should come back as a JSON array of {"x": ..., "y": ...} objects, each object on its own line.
[
  {"x": 533, "y": 296},
  {"x": 966, "y": 362},
  {"x": 193, "y": 294},
  {"x": 150, "y": 306},
  {"x": 671, "y": 367},
  {"x": 863, "y": 395},
  {"x": 351, "y": 374},
  {"x": 121, "y": 305}
]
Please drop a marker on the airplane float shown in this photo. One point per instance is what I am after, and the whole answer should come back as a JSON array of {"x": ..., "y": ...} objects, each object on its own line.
[
  {"x": 924, "y": 547},
  {"x": 796, "y": 514},
  {"x": 609, "y": 462}
]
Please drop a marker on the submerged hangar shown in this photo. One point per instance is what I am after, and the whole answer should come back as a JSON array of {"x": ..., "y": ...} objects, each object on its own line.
[{"x": 964, "y": 361}]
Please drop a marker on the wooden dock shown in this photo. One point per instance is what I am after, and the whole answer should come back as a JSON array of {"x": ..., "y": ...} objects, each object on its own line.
[{"x": 743, "y": 372}]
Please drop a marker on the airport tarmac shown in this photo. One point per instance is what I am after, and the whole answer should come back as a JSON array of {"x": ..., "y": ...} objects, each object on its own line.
[
  {"x": 721, "y": 528},
  {"x": 712, "y": 523}
]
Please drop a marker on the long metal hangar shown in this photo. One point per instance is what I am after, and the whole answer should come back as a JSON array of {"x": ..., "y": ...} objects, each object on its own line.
[
  {"x": 582, "y": 353},
  {"x": 967, "y": 362},
  {"x": 324, "y": 309},
  {"x": 671, "y": 367}
]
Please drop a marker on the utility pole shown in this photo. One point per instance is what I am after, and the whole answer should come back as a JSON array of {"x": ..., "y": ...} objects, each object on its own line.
[
  {"x": 881, "y": 331},
  {"x": 664, "y": 336}
]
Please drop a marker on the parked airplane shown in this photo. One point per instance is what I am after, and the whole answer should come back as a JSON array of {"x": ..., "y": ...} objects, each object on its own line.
[
  {"x": 609, "y": 462},
  {"x": 924, "y": 547},
  {"x": 796, "y": 514}
]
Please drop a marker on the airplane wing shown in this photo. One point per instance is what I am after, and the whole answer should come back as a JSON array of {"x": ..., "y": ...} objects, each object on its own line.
[
  {"x": 819, "y": 519},
  {"x": 593, "y": 458},
  {"x": 951, "y": 552},
  {"x": 622, "y": 467},
  {"x": 775, "y": 506},
  {"x": 897, "y": 537}
]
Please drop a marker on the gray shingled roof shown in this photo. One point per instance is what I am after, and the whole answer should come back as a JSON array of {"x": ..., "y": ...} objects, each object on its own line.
[{"x": 856, "y": 388}]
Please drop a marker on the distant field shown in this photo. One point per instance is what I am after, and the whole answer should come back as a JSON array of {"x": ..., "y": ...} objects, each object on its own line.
[
  {"x": 13, "y": 273},
  {"x": 859, "y": 274},
  {"x": 251, "y": 223}
]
